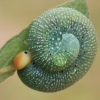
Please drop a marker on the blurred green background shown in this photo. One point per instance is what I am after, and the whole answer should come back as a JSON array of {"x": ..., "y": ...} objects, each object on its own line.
[{"x": 15, "y": 15}]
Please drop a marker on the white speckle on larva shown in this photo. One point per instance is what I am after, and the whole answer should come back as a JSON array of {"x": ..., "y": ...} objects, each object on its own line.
[
  {"x": 60, "y": 33},
  {"x": 52, "y": 38},
  {"x": 58, "y": 39},
  {"x": 57, "y": 47},
  {"x": 56, "y": 43},
  {"x": 52, "y": 48}
]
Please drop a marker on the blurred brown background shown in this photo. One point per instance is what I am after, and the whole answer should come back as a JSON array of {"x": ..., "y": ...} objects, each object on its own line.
[{"x": 16, "y": 15}]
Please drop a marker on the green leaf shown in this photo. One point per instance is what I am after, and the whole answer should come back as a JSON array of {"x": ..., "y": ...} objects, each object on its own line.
[
  {"x": 9, "y": 50},
  {"x": 19, "y": 42},
  {"x": 79, "y": 5}
]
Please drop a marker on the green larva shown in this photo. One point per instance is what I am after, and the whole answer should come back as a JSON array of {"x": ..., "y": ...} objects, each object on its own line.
[{"x": 63, "y": 45}]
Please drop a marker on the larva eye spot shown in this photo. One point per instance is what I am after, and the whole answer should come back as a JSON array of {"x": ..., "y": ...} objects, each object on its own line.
[
  {"x": 22, "y": 59},
  {"x": 26, "y": 52}
]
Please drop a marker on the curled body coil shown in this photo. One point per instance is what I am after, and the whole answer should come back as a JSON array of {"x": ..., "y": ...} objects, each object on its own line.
[{"x": 63, "y": 45}]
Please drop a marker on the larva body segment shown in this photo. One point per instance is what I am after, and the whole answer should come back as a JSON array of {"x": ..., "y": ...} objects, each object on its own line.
[
  {"x": 63, "y": 45},
  {"x": 39, "y": 79}
]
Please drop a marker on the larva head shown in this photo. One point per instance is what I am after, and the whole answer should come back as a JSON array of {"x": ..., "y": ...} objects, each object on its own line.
[
  {"x": 22, "y": 59},
  {"x": 55, "y": 37}
]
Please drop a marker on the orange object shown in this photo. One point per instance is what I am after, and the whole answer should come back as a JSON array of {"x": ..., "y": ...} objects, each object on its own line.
[{"x": 22, "y": 59}]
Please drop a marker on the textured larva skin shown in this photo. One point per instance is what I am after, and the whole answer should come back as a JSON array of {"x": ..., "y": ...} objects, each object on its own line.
[
  {"x": 39, "y": 79},
  {"x": 42, "y": 74}
]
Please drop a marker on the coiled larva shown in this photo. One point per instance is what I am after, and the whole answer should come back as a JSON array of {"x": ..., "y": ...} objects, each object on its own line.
[{"x": 63, "y": 45}]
